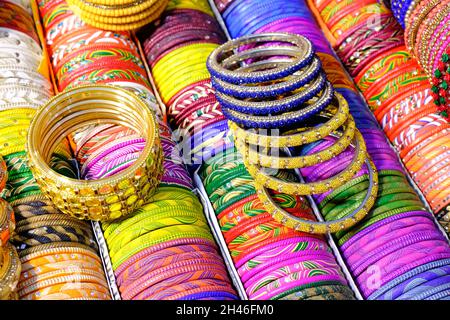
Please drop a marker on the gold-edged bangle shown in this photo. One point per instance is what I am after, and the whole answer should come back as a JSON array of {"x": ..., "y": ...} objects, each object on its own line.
[
  {"x": 107, "y": 198},
  {"x": 9, "y": 271},
  {"x": 317, "y": 227},
  {"x": 334, "y": 182}
]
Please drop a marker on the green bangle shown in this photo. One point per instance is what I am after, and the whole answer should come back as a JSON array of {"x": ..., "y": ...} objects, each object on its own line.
[
  {"x": 343, "y": 209},
  {"x": 145, "y": 212},
  {"x": 305, "y": 286},
  {"x": 384, "y": 199},
  {"x": 154, "y": 238},
  {"x": 220, "y": 172},
  {"x": 391, "y": 173},
  {"x": 131, "y": 234},
  {"x": 395, "y": 205},
  {"x": 226, "y": 175},
  {"x": 230, "y": 185},
  {"x": 346, "y": 194},
  {"x": 340, "y": 193},
  {"x": 234, "y": 200}
]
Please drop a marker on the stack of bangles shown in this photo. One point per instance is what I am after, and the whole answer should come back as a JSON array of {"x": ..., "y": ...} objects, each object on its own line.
[
  {"x": 388, "y": 253},
  {"x": 398, "y": 92},
  {"x": 118, "y": 15},
  {"x": 58, "y": 253},
  {"x": 272, "y": 260},
  {"x": 300, "y": 109},
  {"x": 427, "y": 35}
]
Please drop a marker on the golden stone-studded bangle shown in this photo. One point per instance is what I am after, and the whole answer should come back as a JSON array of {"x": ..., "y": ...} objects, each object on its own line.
[
  {"x": 308, "y": 188},
  {"x": 9, "y": 271},
  {"x": 269, "y": 161},
  {"x": 331, "y": 226},
  {"x": 296, "y": 139},
  {"x": 108, "y": 198}
]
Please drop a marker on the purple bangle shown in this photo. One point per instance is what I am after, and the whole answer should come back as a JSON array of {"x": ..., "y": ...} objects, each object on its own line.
[
  {"x": 210, "y": 294},
  {"x": 414, "y": 281},
  {"x": 385, "y": 234},
  {"x": 426, "y": 289},
  {"x": 393, "y": 220},
  {"x": 397, "y": 244},
  {"x": 391, "y": 269}
]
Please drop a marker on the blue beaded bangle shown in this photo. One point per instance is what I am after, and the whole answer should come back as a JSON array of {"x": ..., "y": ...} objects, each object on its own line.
[
  {"x": 274, "y": 106},
  {"x": 305, "y": 49},
  {"x": 285, "y": 120},
  {"x": 273, "y": 90}
]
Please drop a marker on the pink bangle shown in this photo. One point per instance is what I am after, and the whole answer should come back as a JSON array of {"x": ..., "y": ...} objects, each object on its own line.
[
  {"x": 273, "y": 264},
  {"x": 287, "y": 284},
  {"x": 284, "y": 269}
]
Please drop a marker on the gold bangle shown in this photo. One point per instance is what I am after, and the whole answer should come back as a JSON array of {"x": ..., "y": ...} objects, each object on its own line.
[
  {"x": 309, "y": 188},
  {"x": 296, "y": 139},
  {"x": 298, "y": 224},
  {"x": 106, "y": 198},
  {"x": 9, "y": 271},
  {"x": 268, "y": 161}
]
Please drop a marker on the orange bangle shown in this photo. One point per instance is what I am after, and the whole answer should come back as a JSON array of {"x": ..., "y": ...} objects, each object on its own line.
[
  {"x": 42, "y": 268},
  {"x": 421, "y": 140},
  {"x": 67, "y": 288},
  {"x": 427, "y": 153}
]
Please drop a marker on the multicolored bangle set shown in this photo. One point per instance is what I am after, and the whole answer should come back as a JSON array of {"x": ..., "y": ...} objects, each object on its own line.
[
  {"x": 382, "y": 251},
  {"x": 398, "y": 93},
  {"x": 272, "y": 260}
]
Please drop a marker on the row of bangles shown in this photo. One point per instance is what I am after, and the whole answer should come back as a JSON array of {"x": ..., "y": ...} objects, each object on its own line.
[
  {"x": 264, "y": 123},
  {"x": 378, "y": 244},
  {"x": 398, "y": 92}
]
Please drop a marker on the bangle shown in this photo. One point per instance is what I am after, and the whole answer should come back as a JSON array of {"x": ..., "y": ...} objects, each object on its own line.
[
  {"x": 297, "y": 139},
  {"x": 9, "y": 271},
  {"x": 218, "y": 71},
  {"x": 319, "y": 227},
  {"x": 107, "y": 198},
  {"x": 305, "y": 189}
]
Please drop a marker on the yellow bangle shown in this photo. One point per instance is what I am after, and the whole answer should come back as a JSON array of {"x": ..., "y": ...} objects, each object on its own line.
[
  {"x": 113, "y": 10},
  {"x": 341, "y": 144},
  {"x": 107, "y": 198},
  {"x": 309, "y": 188},
  {"x": 298, "y": 224},
  {"x": 200, "y": 5},
  {"x": 182, "y": 83}
]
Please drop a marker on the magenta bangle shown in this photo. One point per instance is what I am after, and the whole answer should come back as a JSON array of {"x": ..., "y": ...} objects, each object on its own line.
[
  {"x": 160, "y": 259},
  {"x": 265, "y": 294},
  {"x": 313, "y": 244},
  {"x": 271, "y": 265},
  {"x": 398, "y": 244},
  {"x": 288, "y": 267},
  {"x": 161, "y": 246}
]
